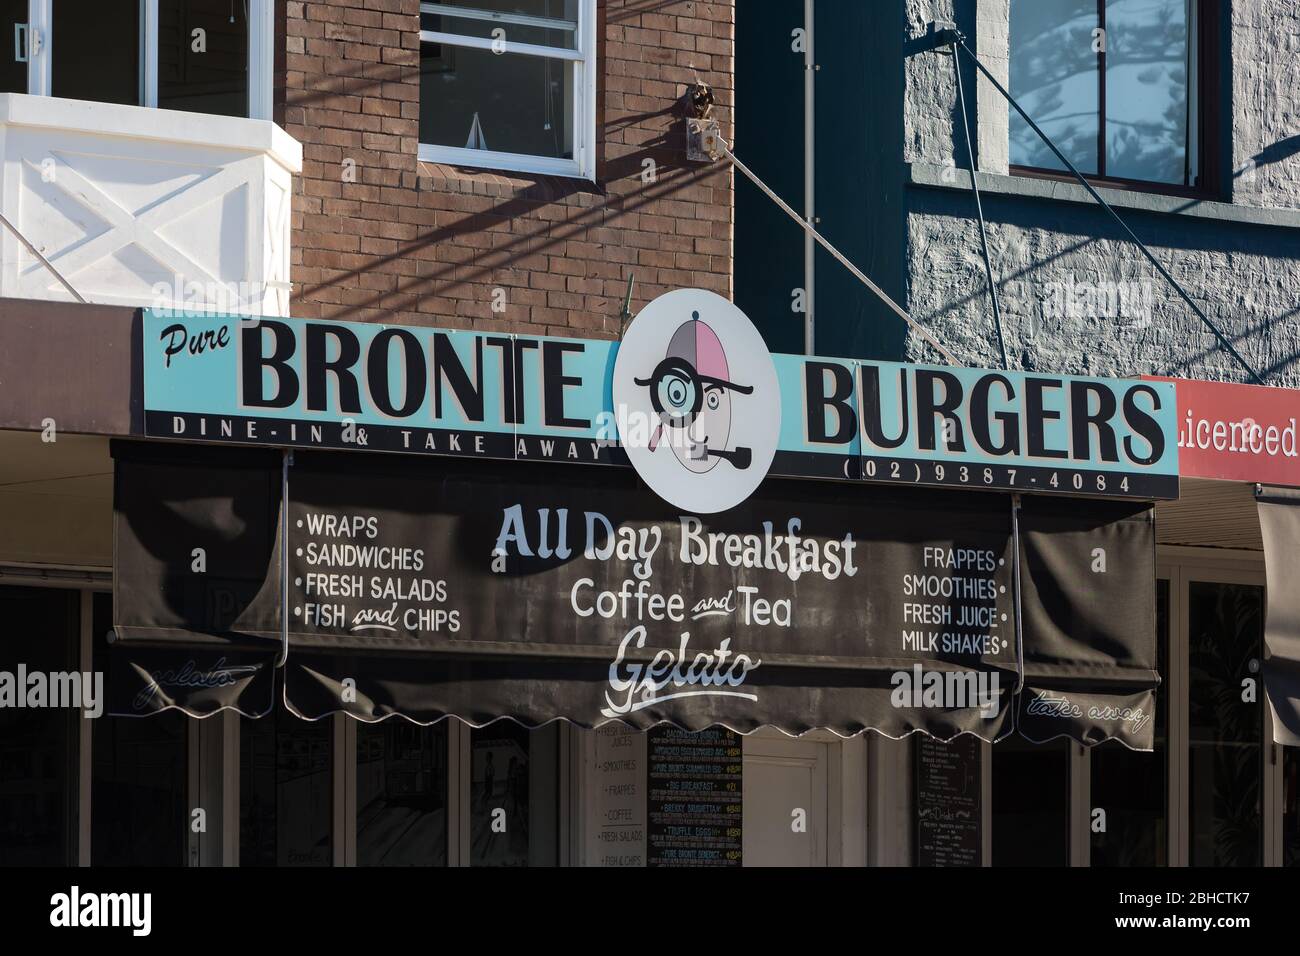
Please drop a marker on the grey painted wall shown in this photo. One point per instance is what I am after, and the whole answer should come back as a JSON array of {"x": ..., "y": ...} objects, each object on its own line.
[{"x": 1245, "y": 275}]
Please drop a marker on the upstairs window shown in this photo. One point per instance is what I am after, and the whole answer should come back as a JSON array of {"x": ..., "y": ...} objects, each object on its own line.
[
  {"x": 1117, "y": 86},
  {"x": 509, "y": 84},
  {"x": 200, "y": 56}
]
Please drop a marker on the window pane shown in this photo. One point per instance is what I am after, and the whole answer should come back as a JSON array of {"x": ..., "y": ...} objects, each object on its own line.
[
  {"x": 1054, "y": 76},
  {"x": 514, "y": 795},
  {"x": 38, "y": 749},
  {"x": 476, "y": 99},
  {"x": 1146, "y": 90},
  {"x": 1225, "y": 636},
  {"x": 515, "y": 18},
  {"x": 1031, "y": 803},
  {"x": 286, "y": 791},
  {"x": 1291, "y": 806},
  {"x": 1132, "y": 786},
  {"x": 13, "y": 72},
  {"x": 96, "y": 50},
  {"x": 203, "y": 56},
  {"x": 138, "y": 781},
  {"x": 401, "y": 794}
]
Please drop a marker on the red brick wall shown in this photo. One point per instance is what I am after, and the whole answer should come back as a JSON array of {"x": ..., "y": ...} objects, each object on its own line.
[{"x": 423, "y": 244}]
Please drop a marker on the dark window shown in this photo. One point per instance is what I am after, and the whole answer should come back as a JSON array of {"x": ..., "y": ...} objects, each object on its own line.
[
  {"x": 138, "y": 813},
  {"x": 286, "y": 791},
  {"x": 1031, "y": 803},
  {"x": 38, "y": 746},
  {"x": 96, "y": 50},
  {"x": 203, "y": 56},
  {"x": 1132, "y": 787},
  {"x": 1225, "y": 753},
  {"x": 514, "y": 795},
  {"x": 13, "y": 46},
  {"x": 401, "y": 794},
  {"x": 1117, "y": 86}
]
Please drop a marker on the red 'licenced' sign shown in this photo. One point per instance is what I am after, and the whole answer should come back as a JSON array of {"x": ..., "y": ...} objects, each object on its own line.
[{"x": 1237, "y": 432}]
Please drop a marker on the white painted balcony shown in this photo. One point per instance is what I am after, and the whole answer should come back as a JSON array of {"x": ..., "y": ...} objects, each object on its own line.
[{"x": 146, "y": 207}]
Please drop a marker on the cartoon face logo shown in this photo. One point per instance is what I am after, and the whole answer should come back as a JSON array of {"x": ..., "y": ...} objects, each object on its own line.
[
  {"x": 692, "y": 373},
  {"x": 690, "y": 391}
]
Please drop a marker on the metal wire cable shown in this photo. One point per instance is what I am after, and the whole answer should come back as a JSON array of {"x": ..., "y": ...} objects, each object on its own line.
[
  {"x": 979, "y": 212},
  {"x": 725, "y": 149}
]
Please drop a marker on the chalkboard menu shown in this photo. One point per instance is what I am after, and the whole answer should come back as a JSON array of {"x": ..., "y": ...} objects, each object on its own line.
[
  {"x": 948, "y": 804},
  {"x": 694, "y": 788}
]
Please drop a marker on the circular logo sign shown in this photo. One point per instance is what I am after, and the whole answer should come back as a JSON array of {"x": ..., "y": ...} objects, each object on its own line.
[{"x": 697, "y": 401}]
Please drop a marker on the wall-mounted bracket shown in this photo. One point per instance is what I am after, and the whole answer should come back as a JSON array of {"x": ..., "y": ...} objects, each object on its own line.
[{"x": 703, "y": 140}]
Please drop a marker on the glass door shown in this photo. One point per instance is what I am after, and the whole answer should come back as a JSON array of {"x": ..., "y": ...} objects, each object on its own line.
[{"x": 1225, "y": 757}]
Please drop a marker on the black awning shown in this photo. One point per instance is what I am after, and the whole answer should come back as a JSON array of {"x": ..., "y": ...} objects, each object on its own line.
[
  {"x": 1279, "y": 524},
  {"x": 196, "y": 579},
  {"x": 1087, "y": 578},
  {"x": 429, "y": 588}
]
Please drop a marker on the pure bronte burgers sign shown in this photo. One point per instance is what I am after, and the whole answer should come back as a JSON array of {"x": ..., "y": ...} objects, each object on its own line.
[{"x": 690, "y": 364}]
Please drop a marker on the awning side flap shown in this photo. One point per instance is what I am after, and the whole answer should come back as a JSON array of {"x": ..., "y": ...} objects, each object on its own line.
[
  {"x": 196, "y": 581},
  {"x": 1279, "y": 522},
  {"x": 1087, "y": 579}
]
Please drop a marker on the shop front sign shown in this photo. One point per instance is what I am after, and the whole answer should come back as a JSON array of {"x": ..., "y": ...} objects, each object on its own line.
[{"x": 690, "y": 398}]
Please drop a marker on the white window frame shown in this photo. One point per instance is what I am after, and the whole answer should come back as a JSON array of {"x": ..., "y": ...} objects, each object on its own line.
[
  {"x": 583, "y": 58},
  {"x": 261, "y": 53}
]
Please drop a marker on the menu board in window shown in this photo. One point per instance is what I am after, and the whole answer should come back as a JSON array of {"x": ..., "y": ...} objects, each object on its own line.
[
  {"x": 948, "y": 802},
  {"x": 694, "y": 790}
]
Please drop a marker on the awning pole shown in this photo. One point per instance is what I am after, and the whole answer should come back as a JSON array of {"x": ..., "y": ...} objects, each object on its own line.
[
  {"x": 1015, "y": 585},
  {"x": 725, "y": 149},
  {"x": 286, "y": 462}
]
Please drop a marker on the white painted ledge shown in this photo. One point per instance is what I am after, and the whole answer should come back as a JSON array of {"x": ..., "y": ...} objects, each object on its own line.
[
  {"x": 143, "y": 122},
  {"x": 146, "y": 207}
]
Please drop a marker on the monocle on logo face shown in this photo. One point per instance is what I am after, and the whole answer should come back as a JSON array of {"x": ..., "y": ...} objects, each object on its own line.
[{"x": 697, "y": 401}]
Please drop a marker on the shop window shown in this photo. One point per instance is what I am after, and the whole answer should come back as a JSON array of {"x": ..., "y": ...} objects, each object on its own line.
[
  {"x": 1116, "y": 84},
  {"x": 286, "y": 790},
  {"x": 38, "y": 745},
  {"x": 514, "y": 795},
  {"x": 401, "y": 794},
  {"x": 138, "y": 810},
  {"x": 1291, "y": 806},
  {"x": 1225, "y": 748},
  {"x": 509, "y": 84},
  {"x": 1131, "y": 788},
  {"x": 204, "y": 56},
  {"x": 1031, "y": 803}
]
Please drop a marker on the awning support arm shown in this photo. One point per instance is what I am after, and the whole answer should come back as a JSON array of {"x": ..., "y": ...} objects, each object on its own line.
[
  {"x": 724, "y": 149},
  {"x": 1015, "y": 585},
  {"x": 953, "y": 37},
  {"x": 285, "y": 464}
]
